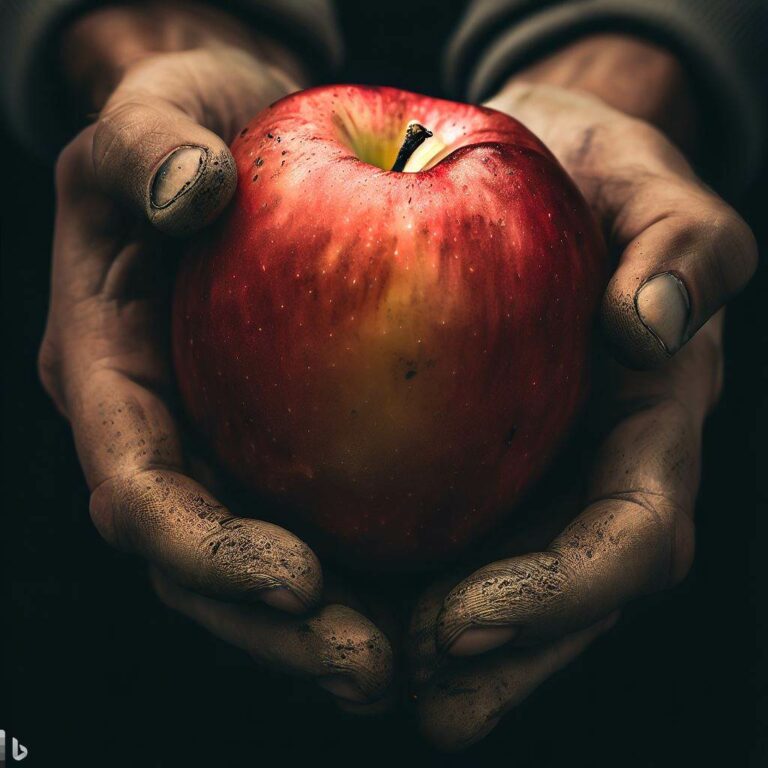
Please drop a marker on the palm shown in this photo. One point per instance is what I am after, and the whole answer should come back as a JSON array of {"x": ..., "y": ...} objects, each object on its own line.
[
  {"x": 625, "y": 527},
  {"x": 105, "y": 360}
]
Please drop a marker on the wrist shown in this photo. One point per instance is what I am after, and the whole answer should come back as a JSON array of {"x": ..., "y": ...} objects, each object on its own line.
[
  {"x": 98, "y": 47},
  {"x": 630, "y": 74}
]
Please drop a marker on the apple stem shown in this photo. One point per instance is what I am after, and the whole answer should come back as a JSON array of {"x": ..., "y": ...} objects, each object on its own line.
[{"x": 415, "y": 135}]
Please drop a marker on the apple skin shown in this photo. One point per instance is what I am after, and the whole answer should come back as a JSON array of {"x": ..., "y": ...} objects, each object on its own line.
[{"x": 395, "y": 356}]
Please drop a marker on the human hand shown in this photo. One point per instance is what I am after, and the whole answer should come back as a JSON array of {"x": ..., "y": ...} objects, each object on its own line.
[
  {"x": 157, "y": 159},
  {"x": 481, "y": 643},
  {"x": 681, "y": 251},
  {"x": 541, "y": 607}
]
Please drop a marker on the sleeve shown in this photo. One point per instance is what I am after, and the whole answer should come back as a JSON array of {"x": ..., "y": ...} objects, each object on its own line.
[
  {"x": 32, "y": 100},
  {"x": 723, "y": 43}
]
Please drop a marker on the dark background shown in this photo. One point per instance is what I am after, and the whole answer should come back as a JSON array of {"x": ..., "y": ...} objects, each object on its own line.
[{"x": 97, "y": 672}]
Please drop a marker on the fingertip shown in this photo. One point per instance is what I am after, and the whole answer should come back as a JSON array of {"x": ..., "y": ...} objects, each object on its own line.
[
  {"x": 477, "y": 640},
  {"x": 343, "y": 688},
  {"x": 289, "y": 576},
  {"x": 675, "y": 275},
  {"x": 175, "y": 172},
  {"x": 283, "y": 599},
  {"x": 190, "y": 188},
  {"x": 359, "y": 651},
  {"x": 631, "y": 339}
]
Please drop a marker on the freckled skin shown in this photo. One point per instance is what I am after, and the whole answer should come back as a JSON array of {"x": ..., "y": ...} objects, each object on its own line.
[{"x": 396, "y": 355}]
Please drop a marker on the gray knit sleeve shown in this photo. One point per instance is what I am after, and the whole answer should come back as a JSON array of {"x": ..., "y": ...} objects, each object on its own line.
[
  {"x": 722, "y": 42},
  {"x": 32, "y": 101}
]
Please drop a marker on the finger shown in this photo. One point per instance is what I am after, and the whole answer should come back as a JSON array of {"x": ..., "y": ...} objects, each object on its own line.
[
  {"x": 338, "y": 648},
  {"x": 635, "y": 537},
  {"x": 167, "y": 518},
  {"x": 151, "y": 147},
  {"x": 685, "y": 254},
  {"x": 175, "y": 172},
  {"x": 462, "y": 706},
  {"x": 538, "y": 525},
  {"x": 113, "y": 374}
]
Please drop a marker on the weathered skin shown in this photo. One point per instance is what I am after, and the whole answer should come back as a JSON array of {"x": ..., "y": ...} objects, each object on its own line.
[{"x": 396, "y": 355}]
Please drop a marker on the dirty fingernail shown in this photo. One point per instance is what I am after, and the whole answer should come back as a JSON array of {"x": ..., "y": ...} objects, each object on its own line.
[
  {"x": 481, "y": 639},
  {"x": 663, "y": 306},
  {"x": 283, "y": 599},
  {"x": 342, "y": 687},
  {"x": 177, "y": 175}
]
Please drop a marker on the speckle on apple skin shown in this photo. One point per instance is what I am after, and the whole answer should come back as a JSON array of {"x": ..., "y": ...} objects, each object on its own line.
[{"x": 402, "y": 319}]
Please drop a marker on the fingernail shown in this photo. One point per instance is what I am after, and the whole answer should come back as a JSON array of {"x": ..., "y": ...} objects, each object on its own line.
[
  {"x": 283, "y": 599},
  {"x": 480, "y": 640},
  {"x": 342, "y": 687},
  {"x": 663, "y": 306},
  {"x": 176, "y": 175}
]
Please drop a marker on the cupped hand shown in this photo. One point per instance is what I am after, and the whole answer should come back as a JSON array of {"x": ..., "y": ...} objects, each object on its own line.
[
  {"x": 681, "y": 251},
  {"x": 480, "y": 644},
  {"x": 157, "y": 159}
]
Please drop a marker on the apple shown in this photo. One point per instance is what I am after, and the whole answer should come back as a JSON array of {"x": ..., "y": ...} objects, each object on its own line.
[{"x": 388, "y": 330}]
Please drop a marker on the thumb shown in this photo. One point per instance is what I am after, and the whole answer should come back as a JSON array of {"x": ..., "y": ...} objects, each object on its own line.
[
  {"x": 151, "y": 147},
  {"x": 154, "y": 155},
  {"x": 685, "y": 254}
]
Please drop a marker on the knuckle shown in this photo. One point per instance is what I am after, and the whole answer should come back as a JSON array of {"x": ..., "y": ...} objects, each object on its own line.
[
  {"x": 102, "y": 512},
  {"x": 668, "y": 532},
  {"x": 662, "y": 513},
  {"x": 117, "y": 127},
  {"x": 127, "y": 502},
  {"x": 122, "y": 128},
  {"x": 72, "y": 159}
]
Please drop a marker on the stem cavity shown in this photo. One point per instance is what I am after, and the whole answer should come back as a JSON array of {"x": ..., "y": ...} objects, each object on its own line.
[{"x": 415, "y": 135}]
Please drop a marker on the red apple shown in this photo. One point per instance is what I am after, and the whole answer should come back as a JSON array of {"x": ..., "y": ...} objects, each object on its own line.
[{"x": 396, "y": 355}]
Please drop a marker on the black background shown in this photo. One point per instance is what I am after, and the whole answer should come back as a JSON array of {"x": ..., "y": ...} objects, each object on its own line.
[{"x": 97, "y": 672}]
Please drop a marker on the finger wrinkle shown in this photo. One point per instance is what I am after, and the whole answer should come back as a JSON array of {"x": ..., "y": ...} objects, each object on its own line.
[
  {"x": 159, "y": 514},
  {"x": 657, "y": 503},
  {"x": 158, "y": 385},
  {"x": 644, "y": 543},
  {"x": 508, "y": 592}
]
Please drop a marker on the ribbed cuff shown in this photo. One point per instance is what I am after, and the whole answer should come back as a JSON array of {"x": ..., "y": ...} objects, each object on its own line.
[
  {"x": 481, "y": 58},
  {"x": 33, "y": 98}
]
